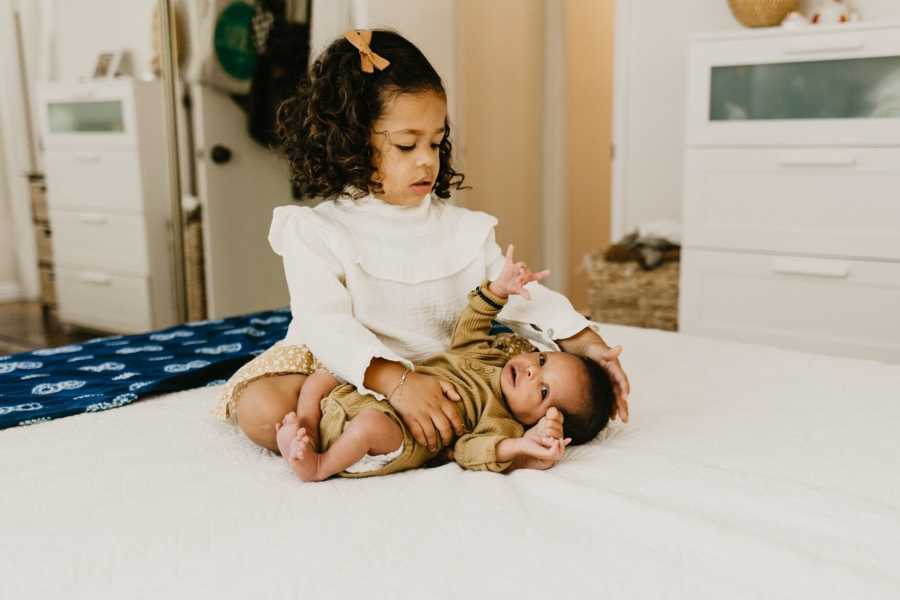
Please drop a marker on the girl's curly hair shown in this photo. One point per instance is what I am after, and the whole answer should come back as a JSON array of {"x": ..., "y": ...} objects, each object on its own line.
[{"x": 325, "y": 128}]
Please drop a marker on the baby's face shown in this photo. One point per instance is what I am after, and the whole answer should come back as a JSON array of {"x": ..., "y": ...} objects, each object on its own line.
[{"x": 535, "y": 381}]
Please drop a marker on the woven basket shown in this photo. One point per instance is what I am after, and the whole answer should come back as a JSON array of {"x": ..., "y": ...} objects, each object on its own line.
[
  {"x": 761, "y": 13},
  {"x": 625, "y": 294}
]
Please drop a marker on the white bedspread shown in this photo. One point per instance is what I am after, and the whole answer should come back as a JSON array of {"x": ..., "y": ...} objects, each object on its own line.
[{"x": 746, "y": 472}]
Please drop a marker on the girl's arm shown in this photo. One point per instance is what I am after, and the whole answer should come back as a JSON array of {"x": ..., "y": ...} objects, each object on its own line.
[
  {"x": 323, "y": 310},
  {"x": 320, "y": 304}
]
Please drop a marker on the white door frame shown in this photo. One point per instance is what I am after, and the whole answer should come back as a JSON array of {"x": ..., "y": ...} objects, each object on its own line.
[
  {"x": 18, "y": 164},
  {"x": 619, "y": 192}
]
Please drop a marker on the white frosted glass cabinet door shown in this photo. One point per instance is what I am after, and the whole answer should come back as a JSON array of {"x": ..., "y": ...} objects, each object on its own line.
[
  {"x": 836, "y": 86},
  {"x": 857, "y": 88},
  {"x": 86, "y": 117}
]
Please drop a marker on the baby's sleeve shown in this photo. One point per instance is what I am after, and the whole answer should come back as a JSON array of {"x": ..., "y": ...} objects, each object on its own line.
[
  {"x": 552, "y": 312},
  {"x": 477, "y": 451},
  {"x": 320, "y": 303}
]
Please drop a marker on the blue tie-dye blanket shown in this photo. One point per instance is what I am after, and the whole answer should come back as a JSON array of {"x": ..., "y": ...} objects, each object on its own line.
[{"x": 109, "y": 372}]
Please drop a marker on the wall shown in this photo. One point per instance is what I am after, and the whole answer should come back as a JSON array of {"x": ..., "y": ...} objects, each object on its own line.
[
  {"x": 87, "y": 27},
  {"x": 501, "y": 48},
  {"x": 650, "y": 80},
  {"x": 589, "y": 60}
]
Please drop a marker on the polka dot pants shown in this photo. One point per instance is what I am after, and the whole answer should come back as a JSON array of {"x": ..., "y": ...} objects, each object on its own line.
[{"x": 280, "y": 359}]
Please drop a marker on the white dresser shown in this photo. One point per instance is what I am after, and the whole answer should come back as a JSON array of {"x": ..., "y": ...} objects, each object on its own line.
[
  {"x": 106, "y": 183},
  {"x": 792, "y": 189}
]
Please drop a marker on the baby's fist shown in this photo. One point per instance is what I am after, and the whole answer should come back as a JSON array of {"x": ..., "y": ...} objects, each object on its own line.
[{"x": 550, "y": 425}]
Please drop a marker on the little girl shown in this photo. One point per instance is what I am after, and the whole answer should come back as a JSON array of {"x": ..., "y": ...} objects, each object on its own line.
[
  {"x": 379, "y": 271},
  {"x": 335, "y": 428}
]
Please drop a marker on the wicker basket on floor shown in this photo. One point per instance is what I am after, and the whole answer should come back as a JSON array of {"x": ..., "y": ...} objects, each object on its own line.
[{"x": 625, "y": 294}]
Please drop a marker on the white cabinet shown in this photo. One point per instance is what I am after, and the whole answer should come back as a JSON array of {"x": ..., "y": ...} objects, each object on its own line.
[
  {"x": 792, "y": 189},
  {"x": 108, "y": 203}
]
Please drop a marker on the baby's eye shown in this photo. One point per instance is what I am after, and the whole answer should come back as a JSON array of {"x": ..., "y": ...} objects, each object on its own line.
[
  {"x": 405, "y": 148},
  {"x": 544, "y": 391},
  {"x": 542, "y": 358}
]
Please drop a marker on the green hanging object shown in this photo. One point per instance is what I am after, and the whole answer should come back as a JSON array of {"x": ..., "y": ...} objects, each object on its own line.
[{"x": 233, "y": 46}]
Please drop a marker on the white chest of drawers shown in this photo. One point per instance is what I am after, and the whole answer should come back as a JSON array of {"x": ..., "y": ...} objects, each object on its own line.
[
  {"x": 792, "y": 189},
  {"x": 106, "y": 183}
]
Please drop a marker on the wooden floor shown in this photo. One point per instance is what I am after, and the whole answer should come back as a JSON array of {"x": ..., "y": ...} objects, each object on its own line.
[{"x": 25, "y": 326}]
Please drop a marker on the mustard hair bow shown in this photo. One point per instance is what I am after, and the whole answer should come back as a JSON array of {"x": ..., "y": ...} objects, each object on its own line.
[{"x": 369, "y": 61}]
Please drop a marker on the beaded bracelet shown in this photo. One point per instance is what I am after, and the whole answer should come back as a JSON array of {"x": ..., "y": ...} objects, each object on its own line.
[{"x": 487, "y": 300}]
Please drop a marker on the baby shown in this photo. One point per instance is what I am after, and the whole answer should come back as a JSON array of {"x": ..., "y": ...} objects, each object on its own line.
[{"x": 337, "y": 431}]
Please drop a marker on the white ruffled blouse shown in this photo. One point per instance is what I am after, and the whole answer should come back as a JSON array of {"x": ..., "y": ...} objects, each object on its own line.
[{"x": 369, "y": 279}]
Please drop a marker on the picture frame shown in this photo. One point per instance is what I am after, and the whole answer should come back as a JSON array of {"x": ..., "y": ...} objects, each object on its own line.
[
  {"x": 103, "y": 66},
  {"x": 112, "y": 63}
]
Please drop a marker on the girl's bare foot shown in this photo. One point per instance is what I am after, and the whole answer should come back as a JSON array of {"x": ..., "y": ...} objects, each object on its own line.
[
  {"x": 285, "y": 432},
  {"x": 302, "y": 456}
]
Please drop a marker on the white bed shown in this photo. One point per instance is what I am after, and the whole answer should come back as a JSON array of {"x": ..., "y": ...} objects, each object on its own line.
[{"x": 746, "y": 472}]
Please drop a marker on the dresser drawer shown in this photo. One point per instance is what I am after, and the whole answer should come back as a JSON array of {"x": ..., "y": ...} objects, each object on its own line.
[
  {"x": 840, "y": 307},
  {"x": 814, "y": 86},
  {"x": 827, "y": 201},
  {"x": 97, "y": 114},
  {"x": 101, "y": 180},
  {"x": 117, "y": 243},
  {"x": 103, "y": 300}
]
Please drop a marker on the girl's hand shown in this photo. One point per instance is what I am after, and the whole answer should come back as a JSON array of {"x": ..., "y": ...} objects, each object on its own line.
[
  {"x": 427, "y": 406},
  {"x": 514, "y": 277},
  {"x": 541, "y": 453},
  {"x": 608, "y": 358}
]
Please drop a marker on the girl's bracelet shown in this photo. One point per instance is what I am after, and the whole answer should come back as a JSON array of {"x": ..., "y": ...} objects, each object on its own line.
[{"x": 403, "y": 377}]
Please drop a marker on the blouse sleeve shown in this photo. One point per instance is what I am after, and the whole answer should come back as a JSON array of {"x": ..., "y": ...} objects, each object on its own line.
[
  {"x": 320, "y": 303},
  {"x": 550, "y": 311}
]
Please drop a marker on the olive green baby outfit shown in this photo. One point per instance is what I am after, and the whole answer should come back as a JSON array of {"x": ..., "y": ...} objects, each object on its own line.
[{"x": 473, "y": 365}]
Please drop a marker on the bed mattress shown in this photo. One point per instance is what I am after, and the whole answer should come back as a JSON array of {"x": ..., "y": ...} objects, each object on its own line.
[{"x": 746, "y": 472}]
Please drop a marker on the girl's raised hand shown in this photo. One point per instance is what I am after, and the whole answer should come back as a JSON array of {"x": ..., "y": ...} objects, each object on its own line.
[{"x": 514, "y": 277}]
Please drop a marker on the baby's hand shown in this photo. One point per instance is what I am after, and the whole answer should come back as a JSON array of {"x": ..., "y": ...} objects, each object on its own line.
[
  {"x": 514, "y": 277},
  {"x": 550, "y": 425},
  {"x": 543, "y": 453}
]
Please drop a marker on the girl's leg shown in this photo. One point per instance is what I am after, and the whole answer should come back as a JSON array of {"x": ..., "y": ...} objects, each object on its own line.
[
  {"x": 265, "y": 402},
  {"x": 370, "y": 432},
  {"x": 309, "y": 412},
  {"x": 309, "y": 404}
]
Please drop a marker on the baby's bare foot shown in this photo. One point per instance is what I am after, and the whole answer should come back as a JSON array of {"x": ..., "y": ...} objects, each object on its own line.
[
  {"x": 303, "y": 457},
  {"x": 286, "y": 431}
]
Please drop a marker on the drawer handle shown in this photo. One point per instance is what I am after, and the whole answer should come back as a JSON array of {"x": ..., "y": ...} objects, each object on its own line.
[
  {"x": 814, "y": 268},
  {"x": 96, "y": 278},
  {"x": 84, "y": 157},
  {"x": 801, "y": 161},
  {"x": 93, "y": 219},
  {"x": 807, "y": 48}
]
